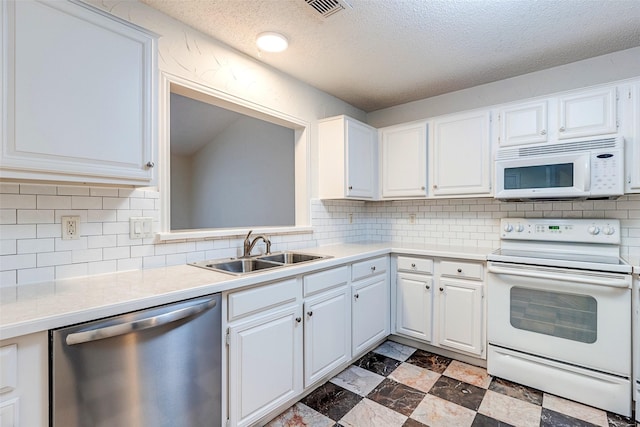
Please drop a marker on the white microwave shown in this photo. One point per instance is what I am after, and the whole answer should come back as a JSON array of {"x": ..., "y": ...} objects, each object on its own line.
[{"x": 588, "y": 169}]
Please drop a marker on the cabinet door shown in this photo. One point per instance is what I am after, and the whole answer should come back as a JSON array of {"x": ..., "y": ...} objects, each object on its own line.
[
  {"x": 461, "y": 315},
  {"x": 81, "y": 86},
  {"x": 524, "y": 124},
  {"x": 370, "y": 312},
  {"x": 587, "y": 113},
  {"x": 327, "y": 337},
  {"x": 404, "y": 160},
  {"x": 265, "y": 364},
  {"x": 361, "y": 160},
  {"x": 414, "y": 305},
  {"x": 460, "y": 157}
]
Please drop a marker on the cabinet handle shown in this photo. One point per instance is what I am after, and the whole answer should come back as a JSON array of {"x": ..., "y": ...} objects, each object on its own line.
[
  {"x": 298, "y": 319},
  {"x": 543, "y": 132},
  {"x": 309, "y": 313},
  {"x": 150, "y": 164},
  {"x": 562, "y": 129},
  {"x": 373, "y": 268},
  {"x": 441, "y": 289},
  {"x": 356, "y": 296},
  {"x": 351, "y": 187},
  {"x": 459, "y": 270},
  {"x": 428, "y": 287}
]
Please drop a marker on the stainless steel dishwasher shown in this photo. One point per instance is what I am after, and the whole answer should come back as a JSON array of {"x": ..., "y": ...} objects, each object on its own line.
[{"x": 157, "y": 367}]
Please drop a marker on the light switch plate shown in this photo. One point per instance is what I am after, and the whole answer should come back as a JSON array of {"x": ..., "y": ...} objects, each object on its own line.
[{"x": 140, "y": 227}]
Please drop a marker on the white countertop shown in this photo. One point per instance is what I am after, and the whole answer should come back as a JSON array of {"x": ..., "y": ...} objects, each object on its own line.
[{"x": 33, "y": 308}]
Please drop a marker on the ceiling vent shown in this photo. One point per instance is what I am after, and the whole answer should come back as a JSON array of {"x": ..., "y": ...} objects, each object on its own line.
[{"x": 327, "y": 8}]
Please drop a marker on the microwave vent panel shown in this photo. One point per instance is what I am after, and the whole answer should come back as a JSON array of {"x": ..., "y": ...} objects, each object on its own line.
[
  {"x": 327, "y": 8},
  {"x": 550, "y": 149}
]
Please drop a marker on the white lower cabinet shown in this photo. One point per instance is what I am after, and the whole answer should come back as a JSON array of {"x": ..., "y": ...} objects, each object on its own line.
[
  {"x": 370, "y": 320},
  {"x": 24, "y": 379},
  {"x": 265, "y": 351},
  {"x": 460, "y": 306},
  {"x": 441, "y": 303}
]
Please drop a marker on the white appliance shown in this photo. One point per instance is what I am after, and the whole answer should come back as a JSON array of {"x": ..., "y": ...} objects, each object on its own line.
[
  {"x": 559, "y": 310},
  {"x": 567, "y": 170},
  {"x": 635, "y": 330}
]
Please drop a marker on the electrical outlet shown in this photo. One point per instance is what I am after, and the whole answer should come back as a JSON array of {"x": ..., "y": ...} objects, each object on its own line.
[
  {"x": 412, "y": 218},
  {"x": 70, "y": 225},
  {"x": 350, "y": 218},
  {"x": 140, "y": 227}
]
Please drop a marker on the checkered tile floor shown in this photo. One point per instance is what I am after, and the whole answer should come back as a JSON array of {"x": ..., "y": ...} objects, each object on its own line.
[{"x": 397, "y": 385}]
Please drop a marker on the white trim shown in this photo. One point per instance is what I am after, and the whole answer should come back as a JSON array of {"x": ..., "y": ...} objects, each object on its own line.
[{"x": 195, "y": 90}]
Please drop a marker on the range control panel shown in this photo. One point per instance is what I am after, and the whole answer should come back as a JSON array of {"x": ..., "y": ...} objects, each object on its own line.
[{"x": 561, "y": 230}]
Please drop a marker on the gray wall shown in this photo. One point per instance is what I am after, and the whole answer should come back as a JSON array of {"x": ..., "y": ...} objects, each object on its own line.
[
  {"x": 601, "y": 69},
  {"x": 245, "y": 177}
]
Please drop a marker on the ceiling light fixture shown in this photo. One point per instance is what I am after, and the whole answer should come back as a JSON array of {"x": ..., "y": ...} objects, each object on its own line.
[{"x": 272, "y": 42}]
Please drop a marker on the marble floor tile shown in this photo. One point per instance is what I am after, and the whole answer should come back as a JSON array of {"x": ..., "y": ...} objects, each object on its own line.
[
  {"x": 396, "y": 396},
  {"x": 616, "y": 420},
  {"x": 331, "y": 400},
  {"x": 510, "y": 410},
  {"x": 551, "y": 418},
  {"x": 413, "y": 423},
  {"x": 483, "y": 421},
  {"x": 377, "y": 363},
  {"x": 430, "y": 361},
  {"x": 576, "y": 410},
  {"x": 414, "y": 376},
  {"x": 458, "y": 392},
  {"x": 395, "y": 350},
  {"x": 436, "y": 412},
  {"x": 300, "y": 415},
  {"x": 371, "y": 414},
  {"x": 358, "y": 380},
  {"x": 518, "y": 391},
  {"x": 468, "y": 373}
]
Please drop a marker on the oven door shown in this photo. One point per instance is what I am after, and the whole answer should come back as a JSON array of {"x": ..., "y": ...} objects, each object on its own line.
[
  {"x": 573, "y": 316},
  {"x": 557, "y": 176}
]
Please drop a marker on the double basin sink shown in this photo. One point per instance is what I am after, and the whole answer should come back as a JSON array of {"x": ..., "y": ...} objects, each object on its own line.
[{"x": 258, "y": 263}]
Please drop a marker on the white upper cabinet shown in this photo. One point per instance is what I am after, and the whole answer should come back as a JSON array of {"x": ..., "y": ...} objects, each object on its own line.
[
  {"x": 587, "y": 113},
  {"x": 347, "y": 159},
  {"x": 524, "y": 123},
  {"x": 460, "y": 154},
  {"x": 403, "y": 163},
  {"x": 80, "y": 94}
]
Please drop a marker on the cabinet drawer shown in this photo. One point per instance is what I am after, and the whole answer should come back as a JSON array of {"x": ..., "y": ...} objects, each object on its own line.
[
  {"x": 415, "y": 265},
  {"x": 254, "y": 300},
  {"x": 318, "y": 282},
  {"x": 360, "y": 270},
  {"x": 8, "y": 368},
  {"x": 465, "y": 270}
]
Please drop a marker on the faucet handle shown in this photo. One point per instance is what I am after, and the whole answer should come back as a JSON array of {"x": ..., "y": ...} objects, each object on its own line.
[{"x": 248, "y": 234}]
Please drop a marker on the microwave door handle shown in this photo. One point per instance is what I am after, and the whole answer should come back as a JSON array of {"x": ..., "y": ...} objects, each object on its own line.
[
  {"x": 611, "y": 282},
  {"x": 587, "y": 174}
]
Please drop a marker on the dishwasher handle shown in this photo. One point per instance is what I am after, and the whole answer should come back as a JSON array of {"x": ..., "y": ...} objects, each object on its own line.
[{"x": 140, "y": 324}]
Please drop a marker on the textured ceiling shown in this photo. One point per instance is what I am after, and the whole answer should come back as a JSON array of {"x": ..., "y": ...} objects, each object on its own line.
[{"x": 382, "y": 53}]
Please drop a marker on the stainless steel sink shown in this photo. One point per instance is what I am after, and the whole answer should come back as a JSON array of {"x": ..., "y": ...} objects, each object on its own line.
[
  {"x": 258, "y": 263},
  {"x": 289, "y": 257}
]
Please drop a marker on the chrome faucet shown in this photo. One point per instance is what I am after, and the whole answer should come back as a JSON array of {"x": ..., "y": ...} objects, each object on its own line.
[{"x": 249, "y": 244}]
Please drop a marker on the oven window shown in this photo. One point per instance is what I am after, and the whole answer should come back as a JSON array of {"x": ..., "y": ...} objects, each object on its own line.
[
  {"x": 568, "y": 316},
  {"x": 545, "y": 176}
]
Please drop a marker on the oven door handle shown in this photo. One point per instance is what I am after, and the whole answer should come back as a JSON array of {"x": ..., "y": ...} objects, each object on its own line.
[{"x": 609, "y": 281}]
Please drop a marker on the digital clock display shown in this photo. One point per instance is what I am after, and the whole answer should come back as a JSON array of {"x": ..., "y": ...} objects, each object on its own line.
[{"x": 554, "y": 227}]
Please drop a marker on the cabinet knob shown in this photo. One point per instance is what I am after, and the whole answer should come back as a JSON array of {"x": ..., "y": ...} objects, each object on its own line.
[
  {"x": 441, "y": 289},
  {"x": 543, "y": 132},
  {"x": 309, "y": 313},
  {"x": 428, "y": 287},
  {"x": 413, "y": 265},
  {"x": 435, "y": 186},
  {"x": 373, "y": 268},
  {"x": 562, "y": 129},
  {"x": 351, "y": 187},
  {"x": 298, "y": 319},
  {"x": 150, "y": 164},
  {"x": 423, "y": 188},
  {"x": 459, "y": 270},
  {"x": 356, "y": 296}
]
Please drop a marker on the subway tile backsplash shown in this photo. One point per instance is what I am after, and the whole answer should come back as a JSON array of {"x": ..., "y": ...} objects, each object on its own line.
[{"x": 32, "y": 249}]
